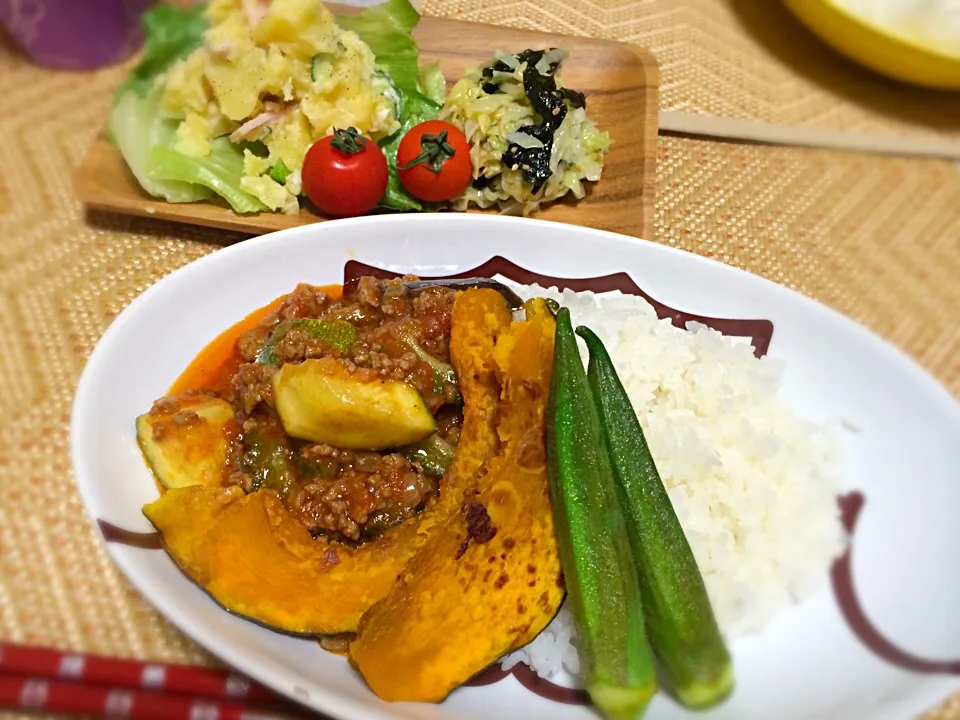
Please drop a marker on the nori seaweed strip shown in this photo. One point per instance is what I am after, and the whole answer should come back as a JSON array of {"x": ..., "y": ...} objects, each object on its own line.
[
  {"x": 498, "y": 66},
  {"x": 550, "y": 103},
  {"x": 481, "y": 182},
  {"x": 576, "y": 99},
  {"x": 534, "y": 163}
]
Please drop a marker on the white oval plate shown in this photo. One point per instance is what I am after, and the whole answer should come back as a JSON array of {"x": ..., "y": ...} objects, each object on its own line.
[{"x": 810, "y": 663}]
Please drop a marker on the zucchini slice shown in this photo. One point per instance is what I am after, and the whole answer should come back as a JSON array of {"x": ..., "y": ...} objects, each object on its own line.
[
  {"x": 185, "y": 439},
  {"x": 321, "y": 401}
]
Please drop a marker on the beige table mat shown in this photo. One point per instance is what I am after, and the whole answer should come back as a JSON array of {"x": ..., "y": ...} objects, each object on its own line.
[
  {"x": 876, "y": 238},
  {"x": 747, "y": 59}
]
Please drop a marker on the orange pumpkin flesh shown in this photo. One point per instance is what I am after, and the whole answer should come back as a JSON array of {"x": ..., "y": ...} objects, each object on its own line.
[
  {"x": 462, "y": 601},
  {"x": 258, "y": 561}
]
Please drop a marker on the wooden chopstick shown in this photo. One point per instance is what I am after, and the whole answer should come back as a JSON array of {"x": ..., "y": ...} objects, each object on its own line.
[{"x": 755, "y": 131}]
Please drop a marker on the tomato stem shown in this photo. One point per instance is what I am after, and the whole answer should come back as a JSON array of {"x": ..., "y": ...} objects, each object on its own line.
[
  {"x": 348, "y": 141},
  {"x": 434, "y": 152}
]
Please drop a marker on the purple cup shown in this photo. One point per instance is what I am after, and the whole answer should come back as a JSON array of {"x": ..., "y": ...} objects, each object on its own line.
[{"x": 75, "y": 34}]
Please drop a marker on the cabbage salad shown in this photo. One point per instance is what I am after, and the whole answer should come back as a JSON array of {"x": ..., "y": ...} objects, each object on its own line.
[{"x": 531, "y": 140}]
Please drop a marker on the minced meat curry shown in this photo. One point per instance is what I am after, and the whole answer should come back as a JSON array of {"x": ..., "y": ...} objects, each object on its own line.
[{"x": 378, "y": 333}]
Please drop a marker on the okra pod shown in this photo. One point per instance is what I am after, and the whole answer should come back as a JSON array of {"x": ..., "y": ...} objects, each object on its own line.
[
  {"x": 681, "y": 627},
  {"x": 601, "y": 578}
]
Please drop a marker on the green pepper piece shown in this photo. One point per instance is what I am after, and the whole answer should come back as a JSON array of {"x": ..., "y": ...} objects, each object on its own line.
[
  {"x": 601, "y": 578},
  {"x": 268, "y": 461},
  {"x": 335, "y": 333},
  {"x": 444, "y": 376},
  {"x": 308, "y": 470},
  {"x": 434, "y": 454},
  {"x": 681, "y": 626},
  {"x": 279, "y": 172}
]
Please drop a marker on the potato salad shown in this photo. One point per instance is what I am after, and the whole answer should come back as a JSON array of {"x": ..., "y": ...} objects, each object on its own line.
[{"x": 282, "y": 73}]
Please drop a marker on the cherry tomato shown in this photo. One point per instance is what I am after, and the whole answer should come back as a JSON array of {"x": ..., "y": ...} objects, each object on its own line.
[
  {"x": 344, "y": 174},
  {"x": 433, "y": 161}
]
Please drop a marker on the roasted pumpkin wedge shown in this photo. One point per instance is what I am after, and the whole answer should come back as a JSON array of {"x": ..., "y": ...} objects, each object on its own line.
[
  {"x": 322, "y": 401},
  {"x": 257, "y": 560},
  {"x": 185, "y": 439},
  {"x": 476, "y": 324},
  {"x": 486, "y": 580}
]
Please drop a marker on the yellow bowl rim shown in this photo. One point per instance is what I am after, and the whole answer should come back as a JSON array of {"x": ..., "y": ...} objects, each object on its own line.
[{"x": 903, "y": 40}]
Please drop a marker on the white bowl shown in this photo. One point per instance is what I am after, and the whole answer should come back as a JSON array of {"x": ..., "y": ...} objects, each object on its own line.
[{"x": 812, "y": 662}]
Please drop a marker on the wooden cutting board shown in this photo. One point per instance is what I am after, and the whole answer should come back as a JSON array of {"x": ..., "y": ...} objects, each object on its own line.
[{"x": 620, "y": 81}]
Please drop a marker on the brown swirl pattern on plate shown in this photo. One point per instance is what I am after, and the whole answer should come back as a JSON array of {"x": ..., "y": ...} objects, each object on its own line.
[
  {"x": 841, "y": 576},
  {"x": 113, "y": 534},
  {"x": 760, "y": 333}
]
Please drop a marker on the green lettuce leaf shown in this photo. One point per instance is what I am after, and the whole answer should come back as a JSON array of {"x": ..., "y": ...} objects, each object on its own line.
[
  {"x": 146, "y": 138},
  {"x": 433, "y": 82},
  {"x": 136, "y": 126},
  {"x": 386, "y": 29},
  {"x": 219, "y": 171},
  {"x": 171, "y": 33}
]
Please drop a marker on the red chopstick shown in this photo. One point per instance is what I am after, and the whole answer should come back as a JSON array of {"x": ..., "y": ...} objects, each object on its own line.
[
  {"x": 53, "y": 696},
  {"x": 53, "y": 664},
  {"x": 54, "y": 681}
]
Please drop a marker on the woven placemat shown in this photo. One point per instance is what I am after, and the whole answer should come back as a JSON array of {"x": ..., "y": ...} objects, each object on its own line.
[
  {"x": 748, "y": 59},
  {"x": 876, "y": 238}
]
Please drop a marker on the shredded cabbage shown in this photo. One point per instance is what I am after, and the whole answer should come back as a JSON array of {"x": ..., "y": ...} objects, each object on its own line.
[{"x": 492, "y": 121}]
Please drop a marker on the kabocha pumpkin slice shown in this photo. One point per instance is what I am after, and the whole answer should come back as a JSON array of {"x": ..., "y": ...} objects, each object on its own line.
[
  {"x": 185, "y": 439},
  {"x": 257, "y": 560},
  {"x": 479, "y": 318},
  {"x": 486, "y": 580}
]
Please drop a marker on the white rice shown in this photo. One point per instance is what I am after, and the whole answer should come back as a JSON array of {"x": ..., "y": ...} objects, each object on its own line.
[{"x": 753, "y": 485}]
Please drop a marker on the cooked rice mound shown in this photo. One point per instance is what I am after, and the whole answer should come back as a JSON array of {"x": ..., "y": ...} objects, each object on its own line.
[{"x": 753, "y": 484}]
